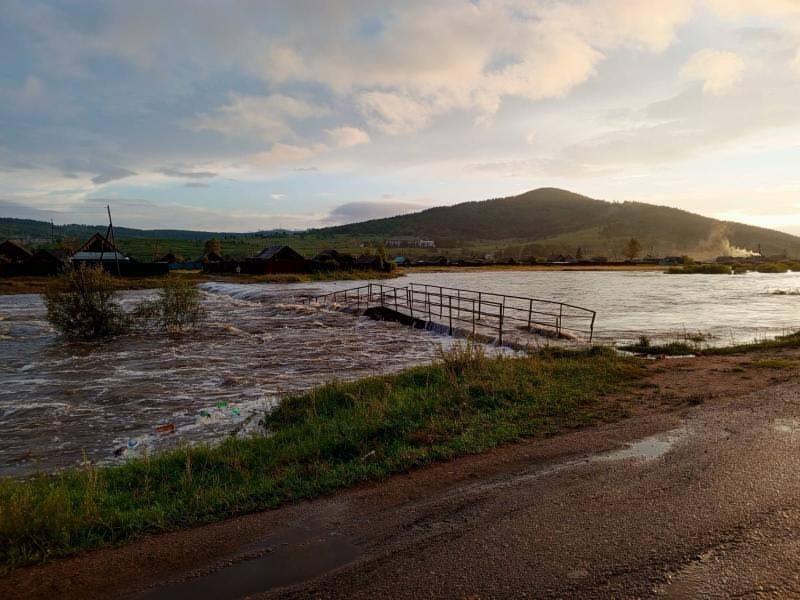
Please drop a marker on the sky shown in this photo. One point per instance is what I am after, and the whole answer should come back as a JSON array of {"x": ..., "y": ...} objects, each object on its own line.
[{"x": 250, "y": 115}]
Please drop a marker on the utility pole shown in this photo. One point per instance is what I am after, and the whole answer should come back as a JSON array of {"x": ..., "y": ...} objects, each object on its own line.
[{"x": 110, "y": 232}]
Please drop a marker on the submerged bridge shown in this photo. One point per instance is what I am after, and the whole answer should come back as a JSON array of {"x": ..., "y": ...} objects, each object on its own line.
[{"x": 458, "y": 311}]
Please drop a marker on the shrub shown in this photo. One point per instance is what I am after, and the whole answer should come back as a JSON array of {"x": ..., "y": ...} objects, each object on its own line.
[
  {"x": 772, "y": 268},
  {"x": 82, "y": 304},
  {"x": 702, "y": 269},
  {"x": 177, "y": 307}
]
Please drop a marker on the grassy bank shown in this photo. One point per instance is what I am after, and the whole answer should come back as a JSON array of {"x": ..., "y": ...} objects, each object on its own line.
[
  {"x": 686, "y": 347},
  {"x": 738, "y": 268},
  {"x": 335, "y": 436},
  {"x": 37, "y": 285}
]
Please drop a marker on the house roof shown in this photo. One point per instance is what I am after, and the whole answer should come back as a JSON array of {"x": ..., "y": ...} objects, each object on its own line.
[
  {"x": 95, "y": 256},
  {"x": 98, "y": 244},
  {"x": 14, "y": 251},
  {"x": 211, "y": 257},
  {"x": 50, "y": 256},
  {"x": 278, "y": 253}
]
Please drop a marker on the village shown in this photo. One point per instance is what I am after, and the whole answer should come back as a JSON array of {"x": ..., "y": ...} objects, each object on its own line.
[{"x": 18, "y": 260}]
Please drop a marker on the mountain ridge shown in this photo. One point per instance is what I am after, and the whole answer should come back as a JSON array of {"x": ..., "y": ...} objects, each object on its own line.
[
  {"x": 535, "y": 223},
  {"x": 546, "y": 213}
]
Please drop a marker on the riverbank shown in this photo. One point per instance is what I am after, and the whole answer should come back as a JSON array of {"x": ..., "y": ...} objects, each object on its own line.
[
  {"x": 645, "y": 268},
  {"x": 341, "y": 434},
  {"x": 331, "y": 438},
  {"x": 527, "y": 514},
  {"x": 37, "y": 285}
]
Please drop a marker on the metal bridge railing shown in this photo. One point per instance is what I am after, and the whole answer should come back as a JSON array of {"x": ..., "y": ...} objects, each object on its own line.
[{"x": 470, "y": 309}]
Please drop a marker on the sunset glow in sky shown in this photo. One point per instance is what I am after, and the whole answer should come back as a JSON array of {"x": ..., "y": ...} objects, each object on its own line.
[{"x": 245, "y": 115}]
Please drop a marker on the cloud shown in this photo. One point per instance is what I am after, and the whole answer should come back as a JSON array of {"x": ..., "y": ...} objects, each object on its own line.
[
  {"x": 351, "y": 212},
  {"x": 186, "y": 174},
  {"x": 347, "y": 137},
  {"x": 111, "y": 174},
  {"x": 719, "y": 71},
  {"x": 394, "y": 114},
  {"x": 276, "y": 196},
  {"x": 796, "y": 61},
  {"x": 281, "y": 154},
  {"x": 257, "y": 117},
  {"x": 31, "y": 90},
  {"x": 744, "y": 8},
  {"x": 195, "y": 184}
]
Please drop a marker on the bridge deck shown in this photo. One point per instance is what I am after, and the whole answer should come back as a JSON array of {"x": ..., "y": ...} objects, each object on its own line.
[{"x": 470, "y": 311}]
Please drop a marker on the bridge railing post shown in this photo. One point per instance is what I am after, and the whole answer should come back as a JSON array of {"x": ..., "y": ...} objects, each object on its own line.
[
  {"x": 473, "y": 316},
  {"x": 450, "y": 312},
  {"x": 500, "y": 332}
]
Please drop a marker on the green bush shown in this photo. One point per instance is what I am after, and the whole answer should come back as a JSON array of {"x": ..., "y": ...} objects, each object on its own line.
[
  {"x": 772, "y": 268},
  {"x": 82, "y": 304},
  {"x": 695, "y": 269},
  {"x": 177, "y": 307}
]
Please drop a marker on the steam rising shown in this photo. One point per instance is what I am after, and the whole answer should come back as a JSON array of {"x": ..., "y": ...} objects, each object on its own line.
[{"x": 719, "y": 244}]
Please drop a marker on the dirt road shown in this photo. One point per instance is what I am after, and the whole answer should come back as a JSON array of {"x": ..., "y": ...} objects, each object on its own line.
[{"x": 696, "y": 501}]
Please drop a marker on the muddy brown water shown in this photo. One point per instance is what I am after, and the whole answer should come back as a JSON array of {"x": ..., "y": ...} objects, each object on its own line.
[{"x": 62, "y": 403}]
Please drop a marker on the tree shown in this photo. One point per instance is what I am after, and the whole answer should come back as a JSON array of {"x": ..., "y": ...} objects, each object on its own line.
[
  {"x": 632, "y": 249},
  {"x": 579, "y": 254},
  {"x": 212, "y": 246}
]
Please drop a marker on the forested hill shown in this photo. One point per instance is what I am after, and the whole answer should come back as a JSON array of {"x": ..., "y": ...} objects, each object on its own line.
[{"x": 558, "y": 218}]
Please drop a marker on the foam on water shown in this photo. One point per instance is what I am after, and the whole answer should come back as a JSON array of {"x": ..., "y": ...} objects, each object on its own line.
[{"x": 59, "y": 400}]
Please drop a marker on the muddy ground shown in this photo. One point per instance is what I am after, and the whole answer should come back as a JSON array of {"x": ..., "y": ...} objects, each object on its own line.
[{"x": 695, "y": 493}]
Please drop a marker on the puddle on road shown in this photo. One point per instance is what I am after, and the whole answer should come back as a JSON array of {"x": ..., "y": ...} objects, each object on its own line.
[
  {"x": 295, "y": 555},
  {"x": 647, "y": 448}
]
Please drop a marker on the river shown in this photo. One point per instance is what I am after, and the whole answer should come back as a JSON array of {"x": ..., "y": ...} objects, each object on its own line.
[{"x": 62, "y": 403}]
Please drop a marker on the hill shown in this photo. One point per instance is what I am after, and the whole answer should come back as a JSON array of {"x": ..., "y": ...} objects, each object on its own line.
[
  {"x": 550, "y": 219},
  {"x": 533, "y": 224},
  {"x": 31, "y": 229}
]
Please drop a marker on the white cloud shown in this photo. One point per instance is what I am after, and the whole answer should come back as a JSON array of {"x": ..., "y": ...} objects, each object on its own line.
[
  {"x": 719, "y": 71},
  {"x": 276, "y": 196},
  {"x": 281, "y": 154},
  {"x": 347, "y": 137},
  {"x": 744, "y": 8},
  {"x": 394, "y": 114},
  {"x": 262, "y": 117}
]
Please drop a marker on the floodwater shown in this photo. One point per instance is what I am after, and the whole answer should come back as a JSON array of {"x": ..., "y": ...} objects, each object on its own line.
[{"x": 61, "y": 403}]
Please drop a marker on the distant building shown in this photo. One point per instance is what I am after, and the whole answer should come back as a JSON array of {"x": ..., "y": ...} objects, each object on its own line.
[
  {"x": 409, "y": 243},
  {"x": 211, "y": 257},
  {"x": 13, "y": 253},
  {"x": 168, "y": 258},
  {"x": 98, "y": 249},
  {"x": 277, "y": 259}
]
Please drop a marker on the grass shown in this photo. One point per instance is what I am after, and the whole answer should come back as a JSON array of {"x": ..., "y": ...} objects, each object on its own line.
[
  {"x": 791, "y": 340},
  {"x": 669, "y": 349},
  {"x": 772, "y": 363},
  {"x": 693, "y": 345},
  {"x": 701, "y": 269},
  {"x": 335, "y": 436}
]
